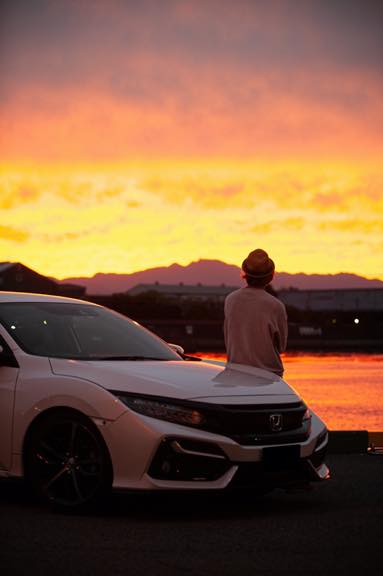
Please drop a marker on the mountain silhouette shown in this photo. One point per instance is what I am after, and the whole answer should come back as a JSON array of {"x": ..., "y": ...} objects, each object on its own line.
[{"x": 213, "y": 273}]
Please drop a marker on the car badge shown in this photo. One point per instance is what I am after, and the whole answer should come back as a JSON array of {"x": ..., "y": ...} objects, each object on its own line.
[{"x": 276, "y": 421}]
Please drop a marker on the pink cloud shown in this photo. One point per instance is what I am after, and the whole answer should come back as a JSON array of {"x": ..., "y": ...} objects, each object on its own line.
[{"x": 258, "y": 118}]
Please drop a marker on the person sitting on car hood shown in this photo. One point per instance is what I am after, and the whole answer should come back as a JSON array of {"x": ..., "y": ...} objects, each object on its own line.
[{"x": 255, "y": 321}]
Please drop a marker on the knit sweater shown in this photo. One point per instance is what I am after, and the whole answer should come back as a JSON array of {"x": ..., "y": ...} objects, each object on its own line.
[{"x": 255, "y": 329}]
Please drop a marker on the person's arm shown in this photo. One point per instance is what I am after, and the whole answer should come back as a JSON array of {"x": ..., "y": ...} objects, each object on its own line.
[
  {"x": 283, "y": 330},
  {"x": 225, "y": 323},
  {"x": 281, "y": 334}
]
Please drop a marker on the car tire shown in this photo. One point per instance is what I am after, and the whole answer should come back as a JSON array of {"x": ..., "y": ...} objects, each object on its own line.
[{"x": 67, "y": 463}]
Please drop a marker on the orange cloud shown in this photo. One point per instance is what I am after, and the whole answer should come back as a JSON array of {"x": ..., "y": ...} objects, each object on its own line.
[
  {"x": 200, "y": 189},
  {"x": 103, "y": 218},
  {"x": 20, "y": 194},
  {"x": 288, "y": 224},
  {"x": 370, "y": 226},
  {"x": 13, "y": 234}
]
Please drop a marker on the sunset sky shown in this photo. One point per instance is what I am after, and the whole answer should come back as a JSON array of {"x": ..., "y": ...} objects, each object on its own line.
[{"x": 136, "y": 134}]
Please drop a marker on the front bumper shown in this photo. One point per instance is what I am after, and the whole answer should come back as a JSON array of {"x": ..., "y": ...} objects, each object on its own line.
[
  {"x": 179, "y": 459},
  {"x": 150, "y": 454}
]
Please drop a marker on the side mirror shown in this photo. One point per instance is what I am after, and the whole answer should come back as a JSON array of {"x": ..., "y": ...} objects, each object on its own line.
[{"x": 176, "y": 348}]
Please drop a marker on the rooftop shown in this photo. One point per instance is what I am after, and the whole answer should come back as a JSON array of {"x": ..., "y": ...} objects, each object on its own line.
[
  {"x": 181, "y": 288},
  {"x": 6, "y": 265}
]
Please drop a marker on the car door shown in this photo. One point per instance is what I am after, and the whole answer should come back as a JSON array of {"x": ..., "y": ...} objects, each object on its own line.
[{"x": 8, "y": 376}]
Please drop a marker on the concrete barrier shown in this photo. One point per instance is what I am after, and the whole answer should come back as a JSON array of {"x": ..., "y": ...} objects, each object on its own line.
[
  {"x": 376, "y": 441},
  {"x": 348, "y": 441},
  {"x": 354, "y": 441}
]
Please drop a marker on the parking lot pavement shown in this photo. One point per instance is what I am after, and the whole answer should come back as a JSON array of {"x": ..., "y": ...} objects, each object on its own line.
[{"x": 334, "y": 529}]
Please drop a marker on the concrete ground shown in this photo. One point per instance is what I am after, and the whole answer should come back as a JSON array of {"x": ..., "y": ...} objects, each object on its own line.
[{"x": 334, "y": 529}]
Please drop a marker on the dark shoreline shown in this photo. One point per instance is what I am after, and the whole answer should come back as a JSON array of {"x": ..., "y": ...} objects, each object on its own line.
[
  {"x": 207, "y": 335},
  {"x": 295, "y": 346}
]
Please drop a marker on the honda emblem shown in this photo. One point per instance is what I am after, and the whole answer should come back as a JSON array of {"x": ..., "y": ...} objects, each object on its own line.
[{"x": 276, "y": 421}]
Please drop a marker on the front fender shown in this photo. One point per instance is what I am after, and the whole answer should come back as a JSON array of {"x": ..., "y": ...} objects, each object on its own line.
[{"x": 38, "y": 391}]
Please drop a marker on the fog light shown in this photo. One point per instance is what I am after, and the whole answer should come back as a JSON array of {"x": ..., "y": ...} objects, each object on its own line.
[
  {"x": 179, "y": 459},
  {"x": 166, "y": 467}
]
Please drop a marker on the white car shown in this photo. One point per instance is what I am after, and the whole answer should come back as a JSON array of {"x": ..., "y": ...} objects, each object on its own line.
[{"x": 90, "y": 400}]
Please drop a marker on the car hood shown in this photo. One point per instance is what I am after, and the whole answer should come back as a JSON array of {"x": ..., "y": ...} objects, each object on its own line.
[{"x": 180, "y": 379}]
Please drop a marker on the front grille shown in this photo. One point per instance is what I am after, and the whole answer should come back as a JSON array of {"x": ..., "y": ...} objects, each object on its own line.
[
  {"x": 251, "y": 424},
  {"x": 247, "y": 424}
]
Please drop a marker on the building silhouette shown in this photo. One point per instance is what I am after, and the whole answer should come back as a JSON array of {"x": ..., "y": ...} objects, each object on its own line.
[
  {"x": 15, "y": 277},
  {"x": 351, "y": 300},
  {"x": 185, "y": 291}
]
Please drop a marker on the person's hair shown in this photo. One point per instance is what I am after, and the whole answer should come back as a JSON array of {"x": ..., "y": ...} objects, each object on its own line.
[{"x": 259, "y": 282}]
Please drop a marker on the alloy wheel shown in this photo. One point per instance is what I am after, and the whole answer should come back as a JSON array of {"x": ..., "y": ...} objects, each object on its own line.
[{"x": 67, "y": 462}]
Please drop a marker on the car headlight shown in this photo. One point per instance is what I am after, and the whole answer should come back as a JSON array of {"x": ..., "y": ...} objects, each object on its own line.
[
  {"x": 188, "y": 416},
  {"x": 306, "y": 415}
]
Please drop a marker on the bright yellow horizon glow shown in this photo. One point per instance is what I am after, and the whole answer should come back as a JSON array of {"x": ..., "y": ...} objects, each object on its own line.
[{"x": 79, "y": 219}]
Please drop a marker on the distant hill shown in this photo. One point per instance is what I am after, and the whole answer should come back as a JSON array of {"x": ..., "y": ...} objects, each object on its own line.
[
  {"x": 324, "y": 281},
  {"x": 215, "y": 272}
]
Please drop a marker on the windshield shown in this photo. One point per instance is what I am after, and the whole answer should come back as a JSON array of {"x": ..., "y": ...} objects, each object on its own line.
[{"x": 80, "y": 331}]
